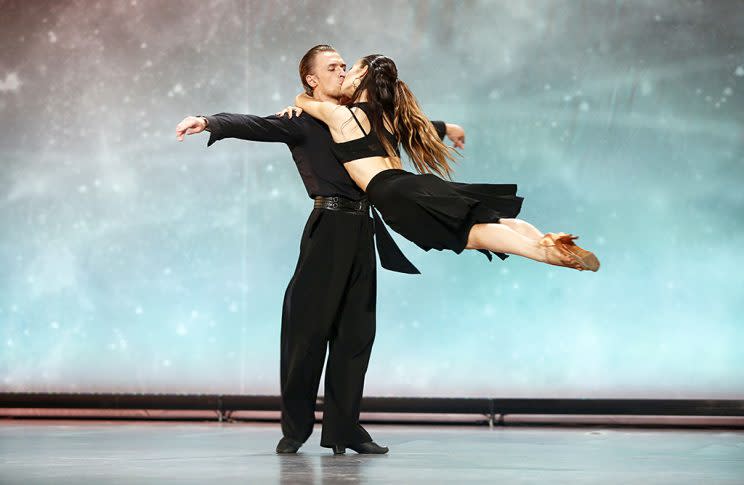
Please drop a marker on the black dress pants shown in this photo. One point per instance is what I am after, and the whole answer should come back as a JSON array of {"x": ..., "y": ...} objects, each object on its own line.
[{"x": 330, "y": 303}]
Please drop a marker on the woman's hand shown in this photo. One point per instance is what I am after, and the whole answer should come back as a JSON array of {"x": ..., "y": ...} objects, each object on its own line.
[
  {"x": 289, "y": 110},
  {"x": 456, "y": 134}
]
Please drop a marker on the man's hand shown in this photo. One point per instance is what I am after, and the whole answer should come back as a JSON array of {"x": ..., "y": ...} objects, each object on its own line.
[
  {"x": 456, "y": 134},
  {"x": 289, "y": 110},
  {"x": 190, "y": 126}
]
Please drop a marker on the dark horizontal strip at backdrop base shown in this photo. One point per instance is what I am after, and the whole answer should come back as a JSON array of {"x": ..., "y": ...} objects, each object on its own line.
[{"x": 419, "y": 405}]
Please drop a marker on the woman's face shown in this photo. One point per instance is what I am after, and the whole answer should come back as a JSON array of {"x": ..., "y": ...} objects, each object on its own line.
[{"x": 357, "y": 71}]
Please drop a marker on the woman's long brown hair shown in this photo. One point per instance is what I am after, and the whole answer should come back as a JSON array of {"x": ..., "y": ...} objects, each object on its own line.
[{"x": 390, "y": 97}]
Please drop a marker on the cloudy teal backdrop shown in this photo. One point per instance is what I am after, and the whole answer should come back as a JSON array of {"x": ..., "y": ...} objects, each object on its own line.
[{"x": 130, "y": 262}]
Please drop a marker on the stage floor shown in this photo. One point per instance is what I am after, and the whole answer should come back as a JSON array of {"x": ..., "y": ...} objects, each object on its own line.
[{"x": 82, "y": 452}]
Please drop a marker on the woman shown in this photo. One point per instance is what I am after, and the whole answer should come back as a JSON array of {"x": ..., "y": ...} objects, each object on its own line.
[{"x": 429, "y": 211}]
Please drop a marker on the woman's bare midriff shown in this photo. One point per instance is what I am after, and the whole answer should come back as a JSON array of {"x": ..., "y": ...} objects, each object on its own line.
[{"x": 362, "y": 170}]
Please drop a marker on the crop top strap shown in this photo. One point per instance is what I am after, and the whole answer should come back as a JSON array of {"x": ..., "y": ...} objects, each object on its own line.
[{"x": 357, "y": 121}]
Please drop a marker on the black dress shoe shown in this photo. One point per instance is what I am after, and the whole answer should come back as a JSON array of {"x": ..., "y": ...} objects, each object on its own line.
[
  {"x": 288, "y": 445},
  {"x": 368, "y": 448}
]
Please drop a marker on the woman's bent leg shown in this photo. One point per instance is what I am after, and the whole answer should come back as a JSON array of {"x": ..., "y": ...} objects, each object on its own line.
[
  {"x": 523, "y": 227},
  {"x": 501, "y": 238}
]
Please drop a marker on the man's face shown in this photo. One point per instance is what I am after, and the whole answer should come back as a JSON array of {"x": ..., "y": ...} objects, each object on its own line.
[{"x": 328, "y": 74}]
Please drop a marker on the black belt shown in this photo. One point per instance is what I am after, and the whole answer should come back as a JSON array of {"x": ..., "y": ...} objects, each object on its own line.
[
  {"x": 391, "y": 257},
  {"x": 336, "y": 203}
]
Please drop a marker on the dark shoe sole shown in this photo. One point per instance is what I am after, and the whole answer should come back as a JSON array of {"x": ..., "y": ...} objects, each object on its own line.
[{"x": 340, "y": 450}]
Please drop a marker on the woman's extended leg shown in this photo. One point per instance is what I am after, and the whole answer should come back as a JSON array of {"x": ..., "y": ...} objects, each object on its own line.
[{"x": 502, "y": 238}]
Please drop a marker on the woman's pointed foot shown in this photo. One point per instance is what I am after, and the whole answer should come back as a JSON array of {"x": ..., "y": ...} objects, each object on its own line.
[
  {"x": 586, "y": 259},
  {"x": 553, "y": 254},
  {"x": 566, "y": 253}
]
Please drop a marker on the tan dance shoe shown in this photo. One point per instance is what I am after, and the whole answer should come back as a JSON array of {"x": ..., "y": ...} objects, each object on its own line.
[
  {"x": 554, "y": 253},
  {"x": 585, "y": 260}
]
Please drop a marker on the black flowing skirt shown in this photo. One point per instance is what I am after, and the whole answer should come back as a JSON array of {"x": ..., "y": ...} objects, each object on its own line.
[{"x": 437, "y": 214}]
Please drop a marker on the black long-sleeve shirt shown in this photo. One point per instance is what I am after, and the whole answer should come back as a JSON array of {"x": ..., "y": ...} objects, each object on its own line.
[{"x": 308, "y": 139}]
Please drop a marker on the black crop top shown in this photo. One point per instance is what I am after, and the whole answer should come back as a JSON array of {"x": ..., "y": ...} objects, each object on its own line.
[{"x": 367, "y": 146}]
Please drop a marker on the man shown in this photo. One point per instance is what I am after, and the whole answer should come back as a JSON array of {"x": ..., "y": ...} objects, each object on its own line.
[{"x": 331, "y": 298}]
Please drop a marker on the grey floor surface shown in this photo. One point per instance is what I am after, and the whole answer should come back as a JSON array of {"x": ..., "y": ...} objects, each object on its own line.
[{"x": 83, "y": 452}]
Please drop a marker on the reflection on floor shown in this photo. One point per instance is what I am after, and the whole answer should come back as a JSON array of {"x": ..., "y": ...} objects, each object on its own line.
[{"x": 80, "y": 452}]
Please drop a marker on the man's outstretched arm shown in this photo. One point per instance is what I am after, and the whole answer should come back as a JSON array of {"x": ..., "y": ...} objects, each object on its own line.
[{"x": 244, "y": 127}]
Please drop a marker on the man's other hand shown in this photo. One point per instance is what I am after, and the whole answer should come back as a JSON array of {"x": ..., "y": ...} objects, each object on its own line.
[
  {"x": 190, "y": 126},
  {"x": 456, "y": 134}
]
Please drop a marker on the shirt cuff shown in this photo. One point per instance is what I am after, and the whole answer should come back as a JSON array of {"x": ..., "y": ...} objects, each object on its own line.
[
  {"x": 441, "y": 128},
  {"x": 213, "y": 127}
]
